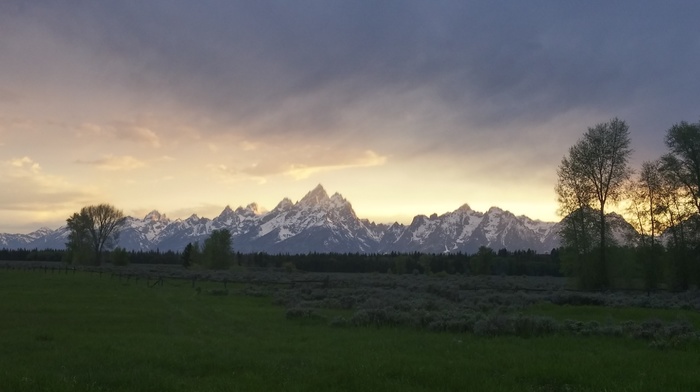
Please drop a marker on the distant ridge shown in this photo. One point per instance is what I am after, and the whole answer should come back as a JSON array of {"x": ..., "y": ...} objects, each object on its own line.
[{"x": 319, "y": 223}]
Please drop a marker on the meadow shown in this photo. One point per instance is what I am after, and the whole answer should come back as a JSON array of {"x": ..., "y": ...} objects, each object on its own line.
[{"x": 272, "y": 331}]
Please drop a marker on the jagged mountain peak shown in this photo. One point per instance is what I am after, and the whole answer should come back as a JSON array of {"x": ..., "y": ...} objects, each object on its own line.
[
  {"x": 251, "y": 209},
  {"x": 495, "y": 210},
  {"x": 154, "y": 216},
  {"x": 227, "y": 212},
  {"x": 338, "y": 197},
  {"x": 396, "y": 225},
  {"x": 464, "y": 208},
  {"x": 284, "y": 205},
  {"x": 338, "y": 201},
  {"x": 418, "y": 220},
  {"x": 42, "y": 232},
  {"x": 317, "y": 196}
]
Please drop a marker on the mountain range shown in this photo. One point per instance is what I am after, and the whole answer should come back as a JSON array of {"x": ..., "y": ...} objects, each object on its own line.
[{"x": 322, "y": 223}]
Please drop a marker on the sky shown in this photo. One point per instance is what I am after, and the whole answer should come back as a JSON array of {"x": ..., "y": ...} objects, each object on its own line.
[{"x": 404, "y": 107}]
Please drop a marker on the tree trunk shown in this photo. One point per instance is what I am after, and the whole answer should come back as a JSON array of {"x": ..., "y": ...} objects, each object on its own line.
[{"x": 603, "y": 263}]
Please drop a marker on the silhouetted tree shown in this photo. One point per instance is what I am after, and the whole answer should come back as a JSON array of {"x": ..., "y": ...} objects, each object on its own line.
[
  {"x": 589, "y": 178},
  {"x": 187, "y": 255},
  {"x": 93, "y": 230},
  {"x": 217, "y": 252}
]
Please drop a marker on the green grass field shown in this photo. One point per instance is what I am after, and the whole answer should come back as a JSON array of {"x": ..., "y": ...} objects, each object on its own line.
[{"x": 82, "y": 332}]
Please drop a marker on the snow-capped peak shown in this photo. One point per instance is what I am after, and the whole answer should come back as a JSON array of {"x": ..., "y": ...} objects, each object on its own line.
[
  {"x": 41, "y": 232},
  {"x": 284, "y": 205},
  {"x": 227, "y": 212},
  {"x": 338, "y": 201},
  {"x": 495, "y": 210},
  {"x": 315, "y": 197},
  {"x": 154, "y": 216},
  {"x": 254, "y": 208}
]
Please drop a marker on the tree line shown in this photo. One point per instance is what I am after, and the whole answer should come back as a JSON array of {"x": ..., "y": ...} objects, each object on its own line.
[
  {"x": 661, "y": 201},
  {"x": 485, "y": 262}
]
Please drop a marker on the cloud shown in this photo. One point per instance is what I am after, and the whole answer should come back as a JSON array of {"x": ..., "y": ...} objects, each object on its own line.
[
  {"x": 301, "y": 171},
  {"x": 301, "y": 164},
  {"x": 24, "y": 186},
  {"x": 114, "y": 163},
  {"x": 137, "y": 134},
  {"x": 25, "y": 163},
  {"x": 121, "y": 130},
  {"x": 325, "y": 70}
]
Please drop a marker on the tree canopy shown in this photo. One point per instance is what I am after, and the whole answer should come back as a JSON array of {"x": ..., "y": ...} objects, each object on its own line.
[
  {"x": 92, "y": 231},
  {"x": 217, "y": 252}
]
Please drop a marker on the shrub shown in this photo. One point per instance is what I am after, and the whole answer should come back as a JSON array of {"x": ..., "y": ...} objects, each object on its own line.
[
  {"x": 338, "y": 321},
  {"x": 302, "y": 313},
  {"x": 217, "y": 292},
  {"x": 576, "y": 299}
]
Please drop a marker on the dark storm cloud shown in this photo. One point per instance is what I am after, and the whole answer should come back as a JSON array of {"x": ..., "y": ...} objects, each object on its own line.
[{"x": 281, "y": 67}]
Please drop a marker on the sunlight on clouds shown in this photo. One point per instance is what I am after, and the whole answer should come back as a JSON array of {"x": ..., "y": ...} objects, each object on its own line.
[
  {"x": 228, "y": 174},
  {"x": 26, "y": 162},
  {"x": 25, "y": 187},
  {"x": 249, "y": 146},
  {"x": 304, "y": 167},
  {"x": 299, "y": 172},
  {"x": 115, "y": 163},
  {"x": 136, "y": 134}
]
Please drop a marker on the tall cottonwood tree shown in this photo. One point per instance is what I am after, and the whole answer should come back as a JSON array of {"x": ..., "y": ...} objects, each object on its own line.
[
  {"x": 92, "y": 231},
  {"x": 592, "y": 177}
]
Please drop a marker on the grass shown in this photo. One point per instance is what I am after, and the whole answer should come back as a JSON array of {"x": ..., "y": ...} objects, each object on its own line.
[{"x": 80, "y": 332}]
